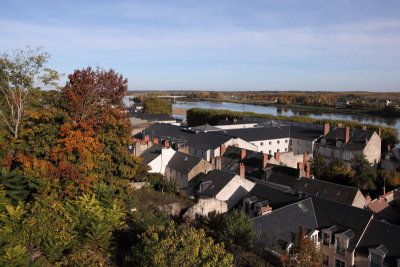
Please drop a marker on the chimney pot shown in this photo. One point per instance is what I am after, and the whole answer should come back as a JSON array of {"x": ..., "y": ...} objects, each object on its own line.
[
  {"x": 241, "y": 170},
  {"x": 347, "y": 134},
  {"x": 222, "y": 149},
  {"x": 305, "y": 157},
  {"x": 243, "y": 154},
  {"x": 277, "y": 157},
  {"x": 388, "y": 147},
  {"x": 265, "y": 160},
  {"x": 326, "y": 128},
  {"x": 308, "y": 170},
  {"x": 364, "y": 127},
  {"x": 155, "y": 140}
]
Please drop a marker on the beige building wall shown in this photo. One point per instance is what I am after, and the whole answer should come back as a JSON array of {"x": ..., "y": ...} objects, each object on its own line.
[{"x": 372, "y": 150}]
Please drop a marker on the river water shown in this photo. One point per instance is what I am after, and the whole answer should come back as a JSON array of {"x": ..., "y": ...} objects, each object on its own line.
[{"x": 363, "y": 118}]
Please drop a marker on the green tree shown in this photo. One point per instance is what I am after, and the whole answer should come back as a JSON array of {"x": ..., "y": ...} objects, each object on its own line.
[
  {"x": 236, "y": 228},
  {"x": 338, "y": 172},
  {"x": 172, "y": 246},
  {"x": 363, "y": 175},
  {"x": 15, "y": 184},
  {"x": 319, "y": 166},
  {"x": 20, "y": 72},
  {"x": 156, "y": 105},
  {"x": 303, "y": 252}
]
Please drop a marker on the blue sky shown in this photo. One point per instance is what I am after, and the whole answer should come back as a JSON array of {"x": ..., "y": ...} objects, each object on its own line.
[{"x": 217, "y": 45}]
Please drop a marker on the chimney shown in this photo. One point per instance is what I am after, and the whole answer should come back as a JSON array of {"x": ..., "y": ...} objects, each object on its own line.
[
  {"x": 277, "y": 157},
  {"x": 265, "y": 160},
  {"x": 379, "y": 132},
  {"x": 364, "y": 127},
  {"x": 166, "y": 143},
  {"x": 222, "y": 149},
  {"x": 216, "y": 162},
  {"x": 185, "y": 149},
  {"x": 340, "y": 125},
  {"x": 308, "y": 170},
  {"x": 264, "y": 210},
  {"x": 241, "y": 170},
  {"x": 347, "y": 134},
  {"x": 300, "y": 169},
  {"x": 236, "y": 145},
  {"x": 388, "y": 147},
  {"x": 326, "y": 128},
  {"x": 243, "y": 154},
  {"x": 368, "y": 198},
  {"x": 155, "y": 140},
  {"x": 305, "y": 157}
]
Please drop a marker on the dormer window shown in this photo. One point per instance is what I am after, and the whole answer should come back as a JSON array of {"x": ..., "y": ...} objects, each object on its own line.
[
  {"x": 377, "y": 255},
  {"x": 326, "y": 239},
  {"x": 341, "y": 245}
]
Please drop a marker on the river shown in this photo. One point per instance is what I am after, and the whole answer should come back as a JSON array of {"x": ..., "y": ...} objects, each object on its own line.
[{"x": 363, "y": 118}]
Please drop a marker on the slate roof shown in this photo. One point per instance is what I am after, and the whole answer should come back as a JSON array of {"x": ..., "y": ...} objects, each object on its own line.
[
  {"x": 153, "y": 117},
  {"x": 281, "y": 224},
  {"x": 357, "y": 140},
  {"x": 205, "y": 128},
  {"x": 177, "y": 134},
  {"x": 151, "y": 153},
  {"x": 183, "y": 162},
  {"x": 261, "y": 133},
  {"x": 331, "y": 191},
  {"x": 343, "y": 217},
  {"x": 218, "y": 180},
  {"x": 393, "y": 155},
  {"x": 381, "y": 233},
  {"x": 281, "y": 175},
  {"x": 253, "y": 160},
  {"x": 274, "y": 132},
  {"x": 277, "y": 198},
  {"x": 316, "y": 213},
  {"x": 230, "y": 122}
]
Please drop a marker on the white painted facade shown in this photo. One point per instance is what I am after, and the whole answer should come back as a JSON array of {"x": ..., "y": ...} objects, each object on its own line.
[
  {"x": 236, "y": 126},
  {"x": 235, "y": 190},
  {"x": 159, "y": 164},
  {"x": 272, "y": 146}
]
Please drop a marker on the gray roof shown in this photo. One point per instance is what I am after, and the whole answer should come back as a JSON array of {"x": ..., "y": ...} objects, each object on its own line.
[
  {"x": 230, "y": 161},
  {"x": 217, "y": 181},
  {"x": 394, "y": 155},
  {"x": 343, "y": 217},
  {"x": 183, "y": 162},
  {"x": 153, "y": 117},
  {"x": 331, "y": 191},
  {"x": 280, "y": 225},
  {"x": 180, "y": 135},
  {"x": 151, "y": 153},
  {"x": 315, "y": 213},
  {"x": 381, "y": 233},
  {"x": 274, "y": 132},
  {"x": 205, "y": 128},
  {"x": 276, "y": 197},
  {"x": 281, "y": 175},
  {"x": 357, "y": 140}
]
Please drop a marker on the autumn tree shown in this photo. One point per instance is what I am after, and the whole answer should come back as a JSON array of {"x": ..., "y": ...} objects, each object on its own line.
[
  {"x": 89, "y": 92},
  {"x": 21, "y": 71},
  {"x": 319, "y": 166},
  {"x": 303, "y": 252},
  {"x": 156, "y": 105}
]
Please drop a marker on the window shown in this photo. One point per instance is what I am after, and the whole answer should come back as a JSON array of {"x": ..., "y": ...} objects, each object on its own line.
[
  {"x": 286, "y": 141},
  {"x": 261, "y": 143},
  {"x": 278, "y": 150},
  {"x": 278, "y": 142},
  {"x": 325, "y": 260},
  {"x": 340, "y": 246},
  {"x": 339, "y": 263},
  {"x": 376, "y": 260},
  {"x": 326, "y": 238},
  {"x": 298, "y": 142},
  {"x": 270, "y": 142},
  {"x": 285, "y": 149},
  {"x": 270, "y": 152}
]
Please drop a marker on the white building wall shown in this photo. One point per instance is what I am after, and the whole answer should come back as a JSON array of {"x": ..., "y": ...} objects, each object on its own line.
[
  {"x": 272, "y": 146},
  {"x": 159, "y": 163},
  {"x": 235, "y": 190},
  {"x": 236, "y": 126}
]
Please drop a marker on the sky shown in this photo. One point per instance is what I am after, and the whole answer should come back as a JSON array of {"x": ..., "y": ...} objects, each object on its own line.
[{"x": 241, "y": 45}]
